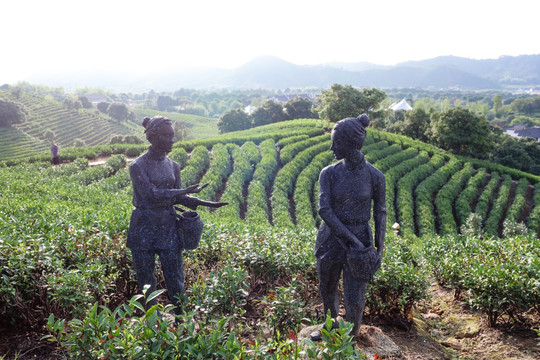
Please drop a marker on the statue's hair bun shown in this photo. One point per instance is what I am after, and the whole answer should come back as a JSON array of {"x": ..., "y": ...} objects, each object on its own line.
[
  {"x": 145, "y": 122},
  {"x": 364, "y": 120}
]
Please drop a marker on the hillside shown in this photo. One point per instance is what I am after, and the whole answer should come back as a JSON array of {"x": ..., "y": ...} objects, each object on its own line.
[
  {"x": 89, "y": 125},
  {"x": 28, "y": 138}
]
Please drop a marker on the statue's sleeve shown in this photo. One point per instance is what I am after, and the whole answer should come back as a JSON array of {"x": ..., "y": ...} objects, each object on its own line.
[{"x": 147, "y": 192}]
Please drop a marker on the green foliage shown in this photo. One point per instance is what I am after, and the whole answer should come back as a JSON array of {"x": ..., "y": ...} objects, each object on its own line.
[
  {"x": 269, "y": 112},
  {"x": 233, "y": 120},
  {"x": 499, "y": 206},
  {"x": 11, "y": 112},
  {"x": 196, "y": 165},
  {"x": 424, "y": 193},
  {"x": 342, "y": 101},
  {"x": 179, "y": 155},
  {"x": 445, "y": 198},
  {"x": 465, "y": 200},
  {"x": 462, "y": 132},
  {"x": 496, "y": 276}
]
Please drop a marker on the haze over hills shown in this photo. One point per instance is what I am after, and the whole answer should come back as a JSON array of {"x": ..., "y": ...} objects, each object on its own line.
[{"x": 270, "y": 72}]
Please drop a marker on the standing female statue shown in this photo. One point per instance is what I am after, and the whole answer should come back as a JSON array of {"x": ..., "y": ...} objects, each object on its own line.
[
  {"x": 346, "y": 191},
  {"x": 152, "y": 230}
]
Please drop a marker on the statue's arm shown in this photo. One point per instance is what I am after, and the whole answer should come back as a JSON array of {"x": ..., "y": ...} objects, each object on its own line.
[
  {"x": 148, "y": 192},
  {"x": 379, "y": 211},
  {"x": 344, "y": 235}
]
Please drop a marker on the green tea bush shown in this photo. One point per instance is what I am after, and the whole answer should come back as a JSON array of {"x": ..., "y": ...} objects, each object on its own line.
[
  {"x": 498, "y": 276},
  {"x": 465, "y": 199},
  {"x": 405, "y": 190},
  {"x": 196, "y": 166},
  {"x": 498, "y": 208}
]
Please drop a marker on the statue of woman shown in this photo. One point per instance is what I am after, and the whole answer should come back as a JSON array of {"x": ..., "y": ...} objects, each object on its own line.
[
  {"x": 346, "y": 191},
  {"x": 152, "y": 230}
]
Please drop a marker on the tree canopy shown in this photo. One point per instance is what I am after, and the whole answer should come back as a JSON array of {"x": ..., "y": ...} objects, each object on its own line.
[
  {"x": 342, "y": 101},
  {"x": 11, "y": 112},
  {"x": 234, "y": 120},
  {"x": 462, "y": 132},
  {"x": 269, "y": 112}
]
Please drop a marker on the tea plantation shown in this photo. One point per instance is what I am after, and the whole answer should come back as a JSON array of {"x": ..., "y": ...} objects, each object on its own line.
[{"x": 252, "y": 283}]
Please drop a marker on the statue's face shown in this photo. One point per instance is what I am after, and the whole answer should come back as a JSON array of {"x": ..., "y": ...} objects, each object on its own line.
[
  {"x": 163, "y": 138},
  {"x": 341, "y": 146}
]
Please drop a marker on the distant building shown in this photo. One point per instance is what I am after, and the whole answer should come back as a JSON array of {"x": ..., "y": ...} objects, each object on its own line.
[
  {"x": 96, "y": 98},
  {"x": 402, "y": 105},
  {"x": 520, "y": 131},
  {"x": 285, "y": 98},
  {"x": 250, "y": 109}
]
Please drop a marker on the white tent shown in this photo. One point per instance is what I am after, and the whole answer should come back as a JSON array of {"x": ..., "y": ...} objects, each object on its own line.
[{"x": 402, "y": 105}]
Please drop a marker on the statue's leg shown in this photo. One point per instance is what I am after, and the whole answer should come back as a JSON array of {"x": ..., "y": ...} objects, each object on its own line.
[
  {"x": 329, "y": 273},
  {"x": 172, "y": 265},
  {"x": 144, "y": 262},
  {"x": 354, "y": 294}
]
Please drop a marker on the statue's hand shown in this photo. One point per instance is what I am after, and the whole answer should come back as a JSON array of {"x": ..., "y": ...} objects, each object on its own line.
[
  {"x": 193, "y": 189},
  {"x": 216, "y": 204}
]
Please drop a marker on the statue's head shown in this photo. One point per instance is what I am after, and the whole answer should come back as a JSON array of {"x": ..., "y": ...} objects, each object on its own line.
[
  {"x": 348, "y": 135},
  {"x": 160, "y": 132}
]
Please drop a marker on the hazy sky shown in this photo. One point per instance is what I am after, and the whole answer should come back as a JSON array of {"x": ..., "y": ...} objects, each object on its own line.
[{"x": 56, "y": 35}]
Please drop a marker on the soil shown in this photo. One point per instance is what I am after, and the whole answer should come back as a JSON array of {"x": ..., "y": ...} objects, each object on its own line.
[{"x": 443, "y": 328}]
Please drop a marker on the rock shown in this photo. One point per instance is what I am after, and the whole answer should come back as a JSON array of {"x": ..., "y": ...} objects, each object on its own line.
[
  {"x": 431, "y": 316},
  {"x": 371, "y": 340},
  {"x": 452, "y": 343}
]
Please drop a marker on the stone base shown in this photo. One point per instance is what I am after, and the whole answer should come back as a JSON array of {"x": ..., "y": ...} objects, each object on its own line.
[{"x": 371, "y": 340}]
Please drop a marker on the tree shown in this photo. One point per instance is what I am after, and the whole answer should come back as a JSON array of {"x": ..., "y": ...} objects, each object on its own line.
[
  {"x": 103, "y": 106},
  {"x": 119, "y": 111},
  {"x": 416, "y": 122},
  {"x": 343, "y": 101},
  {"x": 299, "y": 108},
  {"x": 497, "y": 103},
  {"x": 269, "y": 112},
  {"x": 233, "y": 120},
  {"x": 181, "y": 131},
  {"x": 85, "y": 102},
  {"x": 11, "y": 112},
  {"x": 462, "y": 132},
  {"x": 165, "y": 103}
]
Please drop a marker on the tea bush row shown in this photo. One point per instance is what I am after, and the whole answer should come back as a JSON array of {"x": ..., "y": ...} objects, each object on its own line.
[
  {"x": 257, "y": 206},
  {"x": 486, "y": 196},
  {"x": 289, "y": 152},
  {"x": 196, "y": 166},
  {"x": 374, "y": 155},
  {"x": 219, "y": 170},
  {"x": 465, "y": 200},
  {"x": 445, "y": 198},
  {"x": 405, "y": 189},
  {"x": 241, "y": 175},
  {"x": 424, "y": 193},
  {"x": 515, "y": 210},
  {"x": 305, "y": 209},
  {"x": 495, "y": 216},
  {"x": 392, "y": 176},
  {"x": 285, "y": 181}
]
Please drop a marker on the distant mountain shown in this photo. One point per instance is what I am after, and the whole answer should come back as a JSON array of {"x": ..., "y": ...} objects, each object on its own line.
[{"x": 270, "y": 72}]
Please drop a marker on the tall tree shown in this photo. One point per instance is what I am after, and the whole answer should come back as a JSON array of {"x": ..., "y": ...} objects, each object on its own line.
[
  {"x": 416, "y": 122},
  {"x": 269, "y": 112},
  {"x": 299, "y": 108},
  {"x": 119, "y": 111},
  {"x": 11, "y": 112},
  {"x": 234, "y": 120},
  {"x": 462, "y": 132},
  {"x": 497, "y": 103},
  {"x": 343, "y": 101}
]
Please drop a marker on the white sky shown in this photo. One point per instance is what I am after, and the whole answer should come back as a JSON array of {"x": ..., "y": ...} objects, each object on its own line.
[{"x": 47, "y": 36}]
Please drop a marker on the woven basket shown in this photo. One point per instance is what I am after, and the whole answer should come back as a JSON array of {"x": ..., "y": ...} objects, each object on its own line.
[
  {"x": 363, "y": 263},
  {"x": 189, "y": 227}
]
